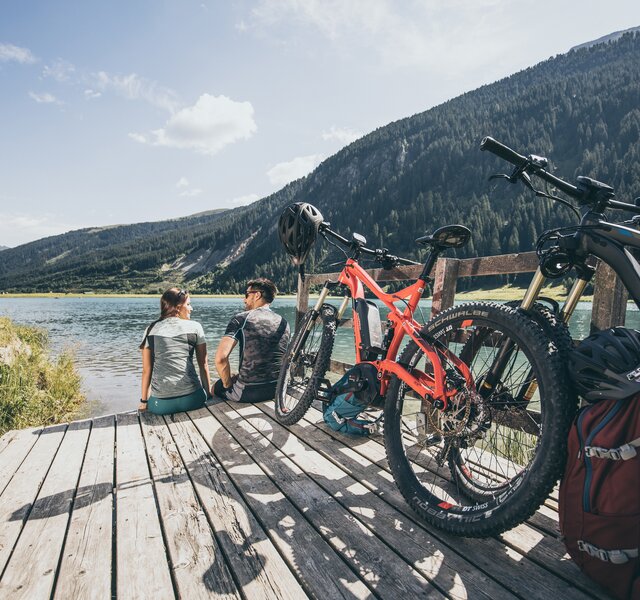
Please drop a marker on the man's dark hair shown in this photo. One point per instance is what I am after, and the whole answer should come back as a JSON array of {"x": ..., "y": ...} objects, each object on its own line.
[{"x": 266, "y": 287}]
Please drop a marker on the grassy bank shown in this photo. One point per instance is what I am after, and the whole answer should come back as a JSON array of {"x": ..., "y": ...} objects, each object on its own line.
[{"x": 34, "y": 388}]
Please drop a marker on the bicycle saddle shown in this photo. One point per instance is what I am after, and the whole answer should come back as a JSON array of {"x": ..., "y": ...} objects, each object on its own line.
[{"x": 449, "y": 236}]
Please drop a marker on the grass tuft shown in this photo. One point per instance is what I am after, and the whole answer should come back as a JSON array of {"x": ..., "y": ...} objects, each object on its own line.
[{"x": 34, "y": 388}]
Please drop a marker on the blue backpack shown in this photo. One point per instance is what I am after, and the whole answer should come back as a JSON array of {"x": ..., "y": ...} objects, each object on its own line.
[{"x": 355, "y": 391}]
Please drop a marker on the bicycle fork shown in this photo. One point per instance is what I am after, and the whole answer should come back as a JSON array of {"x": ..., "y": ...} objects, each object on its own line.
[
  {"x": 315, "y": 313},
  {"x": 528, "y": 301}
]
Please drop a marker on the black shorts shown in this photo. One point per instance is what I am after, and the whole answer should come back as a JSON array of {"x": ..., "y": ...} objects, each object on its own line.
[{"x": 243, "y": 392}]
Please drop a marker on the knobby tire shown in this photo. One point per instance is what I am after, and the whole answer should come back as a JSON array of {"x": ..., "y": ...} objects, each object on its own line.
[
  {"x": 302, "y": 376},
  {"x": 477, "y": 487}
]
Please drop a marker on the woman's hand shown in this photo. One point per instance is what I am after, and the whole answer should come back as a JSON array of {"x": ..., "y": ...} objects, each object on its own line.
[{"x": 142, "y": 405}]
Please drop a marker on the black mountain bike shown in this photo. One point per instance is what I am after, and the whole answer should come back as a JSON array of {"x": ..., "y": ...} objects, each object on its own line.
[{"x": 499, "y": 478}]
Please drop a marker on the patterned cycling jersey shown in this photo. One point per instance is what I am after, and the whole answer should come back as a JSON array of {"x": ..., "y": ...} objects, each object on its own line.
[{"x": 262, "y": 336}]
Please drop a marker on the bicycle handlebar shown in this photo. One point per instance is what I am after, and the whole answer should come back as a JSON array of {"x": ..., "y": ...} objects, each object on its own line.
[
  {"x": 522, "y": 162},
  {"x": 380, "y": 254},
  {"x": 502, "y": 151}
]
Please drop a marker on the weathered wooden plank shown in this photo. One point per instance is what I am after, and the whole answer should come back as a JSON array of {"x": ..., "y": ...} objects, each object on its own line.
[
  {"x": 21, "y": 491},
  {"x": 85, "y": 570},
  {"x": 141, "y": 567},
  {"x": 199, "y": 568},
  {"x": 502, "y": 264},
  {"x": 379, "y": 566},
  {"x": 490, "y": 555},
  {"x": 444, "y": 284},
  {"x": 302, "y": 298},
  {"x": 42, "y": 537},
  {"x": 306, "y": 552},
  {"x": 14, "y": 446},
  {"x": 251, "y": 554},
  {"x": 446, "y": 569},
  {"x": 609, "y": 306}
]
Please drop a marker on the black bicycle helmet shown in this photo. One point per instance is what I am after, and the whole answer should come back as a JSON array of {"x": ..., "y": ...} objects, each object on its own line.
[
  {"x": 298, "y": 227},
  {"x": 606, "y": 365}
]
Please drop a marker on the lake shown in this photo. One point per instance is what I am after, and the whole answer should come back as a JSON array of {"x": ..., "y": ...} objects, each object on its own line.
[{"x": 104, "y": 334}]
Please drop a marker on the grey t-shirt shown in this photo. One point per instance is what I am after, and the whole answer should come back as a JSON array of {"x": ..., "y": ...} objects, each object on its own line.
[
  {"x": 172, "y": 342},
  {"x": 263, "y": 337}
]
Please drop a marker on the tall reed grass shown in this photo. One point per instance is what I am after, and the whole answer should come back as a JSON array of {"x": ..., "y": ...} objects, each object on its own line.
[{"x": 35, "y": 389}]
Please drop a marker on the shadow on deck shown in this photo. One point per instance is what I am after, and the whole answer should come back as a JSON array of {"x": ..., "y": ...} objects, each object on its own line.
[{"x": 225, "y": 502}]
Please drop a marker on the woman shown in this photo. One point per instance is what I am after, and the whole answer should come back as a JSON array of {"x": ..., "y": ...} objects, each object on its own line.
[{"x": 169, "y": 380}]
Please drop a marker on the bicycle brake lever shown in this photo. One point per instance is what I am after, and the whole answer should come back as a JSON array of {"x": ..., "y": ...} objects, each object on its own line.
[{"x": 501, "y": 176}]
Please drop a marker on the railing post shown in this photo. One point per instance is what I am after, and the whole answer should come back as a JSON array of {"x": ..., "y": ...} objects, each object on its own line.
[
  {"x": 609, "y": 307},
  {"x": 444, "y": 284},
  {"x": 302, "y": 298}
]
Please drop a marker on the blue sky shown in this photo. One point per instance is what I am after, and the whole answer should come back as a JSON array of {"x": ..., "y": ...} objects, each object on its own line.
[{"x": 119, "y": 112}]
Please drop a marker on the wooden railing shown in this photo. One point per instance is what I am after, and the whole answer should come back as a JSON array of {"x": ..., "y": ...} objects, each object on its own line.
[{"x": 609, "y": 299}]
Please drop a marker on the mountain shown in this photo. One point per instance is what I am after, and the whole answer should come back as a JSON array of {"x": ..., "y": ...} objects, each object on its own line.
[
  {"x": 113, "y": 258},
  {"x": 579, "y": 109},
  {"x": 612, "y": 37}
]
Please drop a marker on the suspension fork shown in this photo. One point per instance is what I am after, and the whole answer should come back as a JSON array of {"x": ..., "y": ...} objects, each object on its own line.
[
  {"x": 315, "y": 313},
  {"x": 504, "y": 354},
  {"x": 531, "y": 295}
]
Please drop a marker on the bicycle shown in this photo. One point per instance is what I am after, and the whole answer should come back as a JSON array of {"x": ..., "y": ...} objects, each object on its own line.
[
  {"x": 512, "y": 468},
  {"x": 447, "y": 398}
]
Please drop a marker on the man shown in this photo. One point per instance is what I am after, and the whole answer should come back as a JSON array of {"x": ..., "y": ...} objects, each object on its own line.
[{"x": 263, "y": 337}]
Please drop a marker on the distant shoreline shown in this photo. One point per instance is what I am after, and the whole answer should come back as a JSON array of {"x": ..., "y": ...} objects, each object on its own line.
[{"x": 505, "y": 294}]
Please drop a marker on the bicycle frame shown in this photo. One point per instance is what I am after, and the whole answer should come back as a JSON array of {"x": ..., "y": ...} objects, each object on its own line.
[{"x": 427, "y": 386}]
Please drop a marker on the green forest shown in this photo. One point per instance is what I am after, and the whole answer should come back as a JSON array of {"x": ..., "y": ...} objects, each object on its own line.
[{"x": 581, "y": 110}]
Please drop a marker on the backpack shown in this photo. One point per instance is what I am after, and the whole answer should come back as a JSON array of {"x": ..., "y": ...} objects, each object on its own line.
[
  {"x": 600, "y": 495},
  {"x": 350, "y": 396}
]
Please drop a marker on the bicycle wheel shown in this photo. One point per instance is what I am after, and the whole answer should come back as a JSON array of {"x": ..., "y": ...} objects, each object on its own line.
[
  {"x": 304, "y": 364},
  {"x": 489, "y": 460}
]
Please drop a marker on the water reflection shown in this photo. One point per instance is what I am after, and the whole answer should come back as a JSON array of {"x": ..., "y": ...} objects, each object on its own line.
[{"x": 105, "y": 333}]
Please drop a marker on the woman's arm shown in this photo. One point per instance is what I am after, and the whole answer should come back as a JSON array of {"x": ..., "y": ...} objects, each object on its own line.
[
  {"x": 203, "y": 364},
  {"x": 147, "y": 369}
]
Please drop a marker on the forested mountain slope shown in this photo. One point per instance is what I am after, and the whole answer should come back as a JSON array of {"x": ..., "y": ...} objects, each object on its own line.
[{"x": 581, "y": 110}]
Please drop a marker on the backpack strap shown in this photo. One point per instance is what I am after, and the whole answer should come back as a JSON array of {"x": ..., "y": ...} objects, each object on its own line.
[
  {"x": 616, "y": 557},
  {"x": 624, "y": 452}
]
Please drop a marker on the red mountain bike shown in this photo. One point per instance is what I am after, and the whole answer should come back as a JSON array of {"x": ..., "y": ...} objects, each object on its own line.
[{"x": 470, "y": 403}]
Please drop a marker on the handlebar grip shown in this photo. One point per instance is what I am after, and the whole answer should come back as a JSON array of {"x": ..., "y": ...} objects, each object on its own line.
[{"x": 504, "y": 152}]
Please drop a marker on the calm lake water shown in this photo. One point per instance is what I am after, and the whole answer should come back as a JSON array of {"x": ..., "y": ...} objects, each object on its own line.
[{"x": 104, "y": 334}]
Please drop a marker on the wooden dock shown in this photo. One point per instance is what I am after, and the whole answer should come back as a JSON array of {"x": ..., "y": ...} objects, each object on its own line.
[{"x": 226, "y": 503}]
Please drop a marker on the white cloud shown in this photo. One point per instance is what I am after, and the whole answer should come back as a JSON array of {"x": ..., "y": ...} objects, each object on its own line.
[
  {"x": 285, "y": 172},
  {"x": 43, "y": 98},
  {"x": 59, "y": 69},
  {"x": 11, "y": 53},
  {"x": 243, "y": 200},
  {"x": 182, "y": 182},
  {"x": 401, "y": 34},
  {"x": 343, "y": 135},
  {"x": 90, "y": 94},
  {"x": 134, "y": 87},
  {"x": 191, "y": 193},
  {"x": 212, "y": 123}
]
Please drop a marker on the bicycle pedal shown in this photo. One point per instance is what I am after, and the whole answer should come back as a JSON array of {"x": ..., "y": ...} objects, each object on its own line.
[{"x": 323, "y": 392}]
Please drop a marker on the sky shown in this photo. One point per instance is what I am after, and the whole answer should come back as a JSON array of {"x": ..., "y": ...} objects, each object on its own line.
[{"x": 143, "y": 110}]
